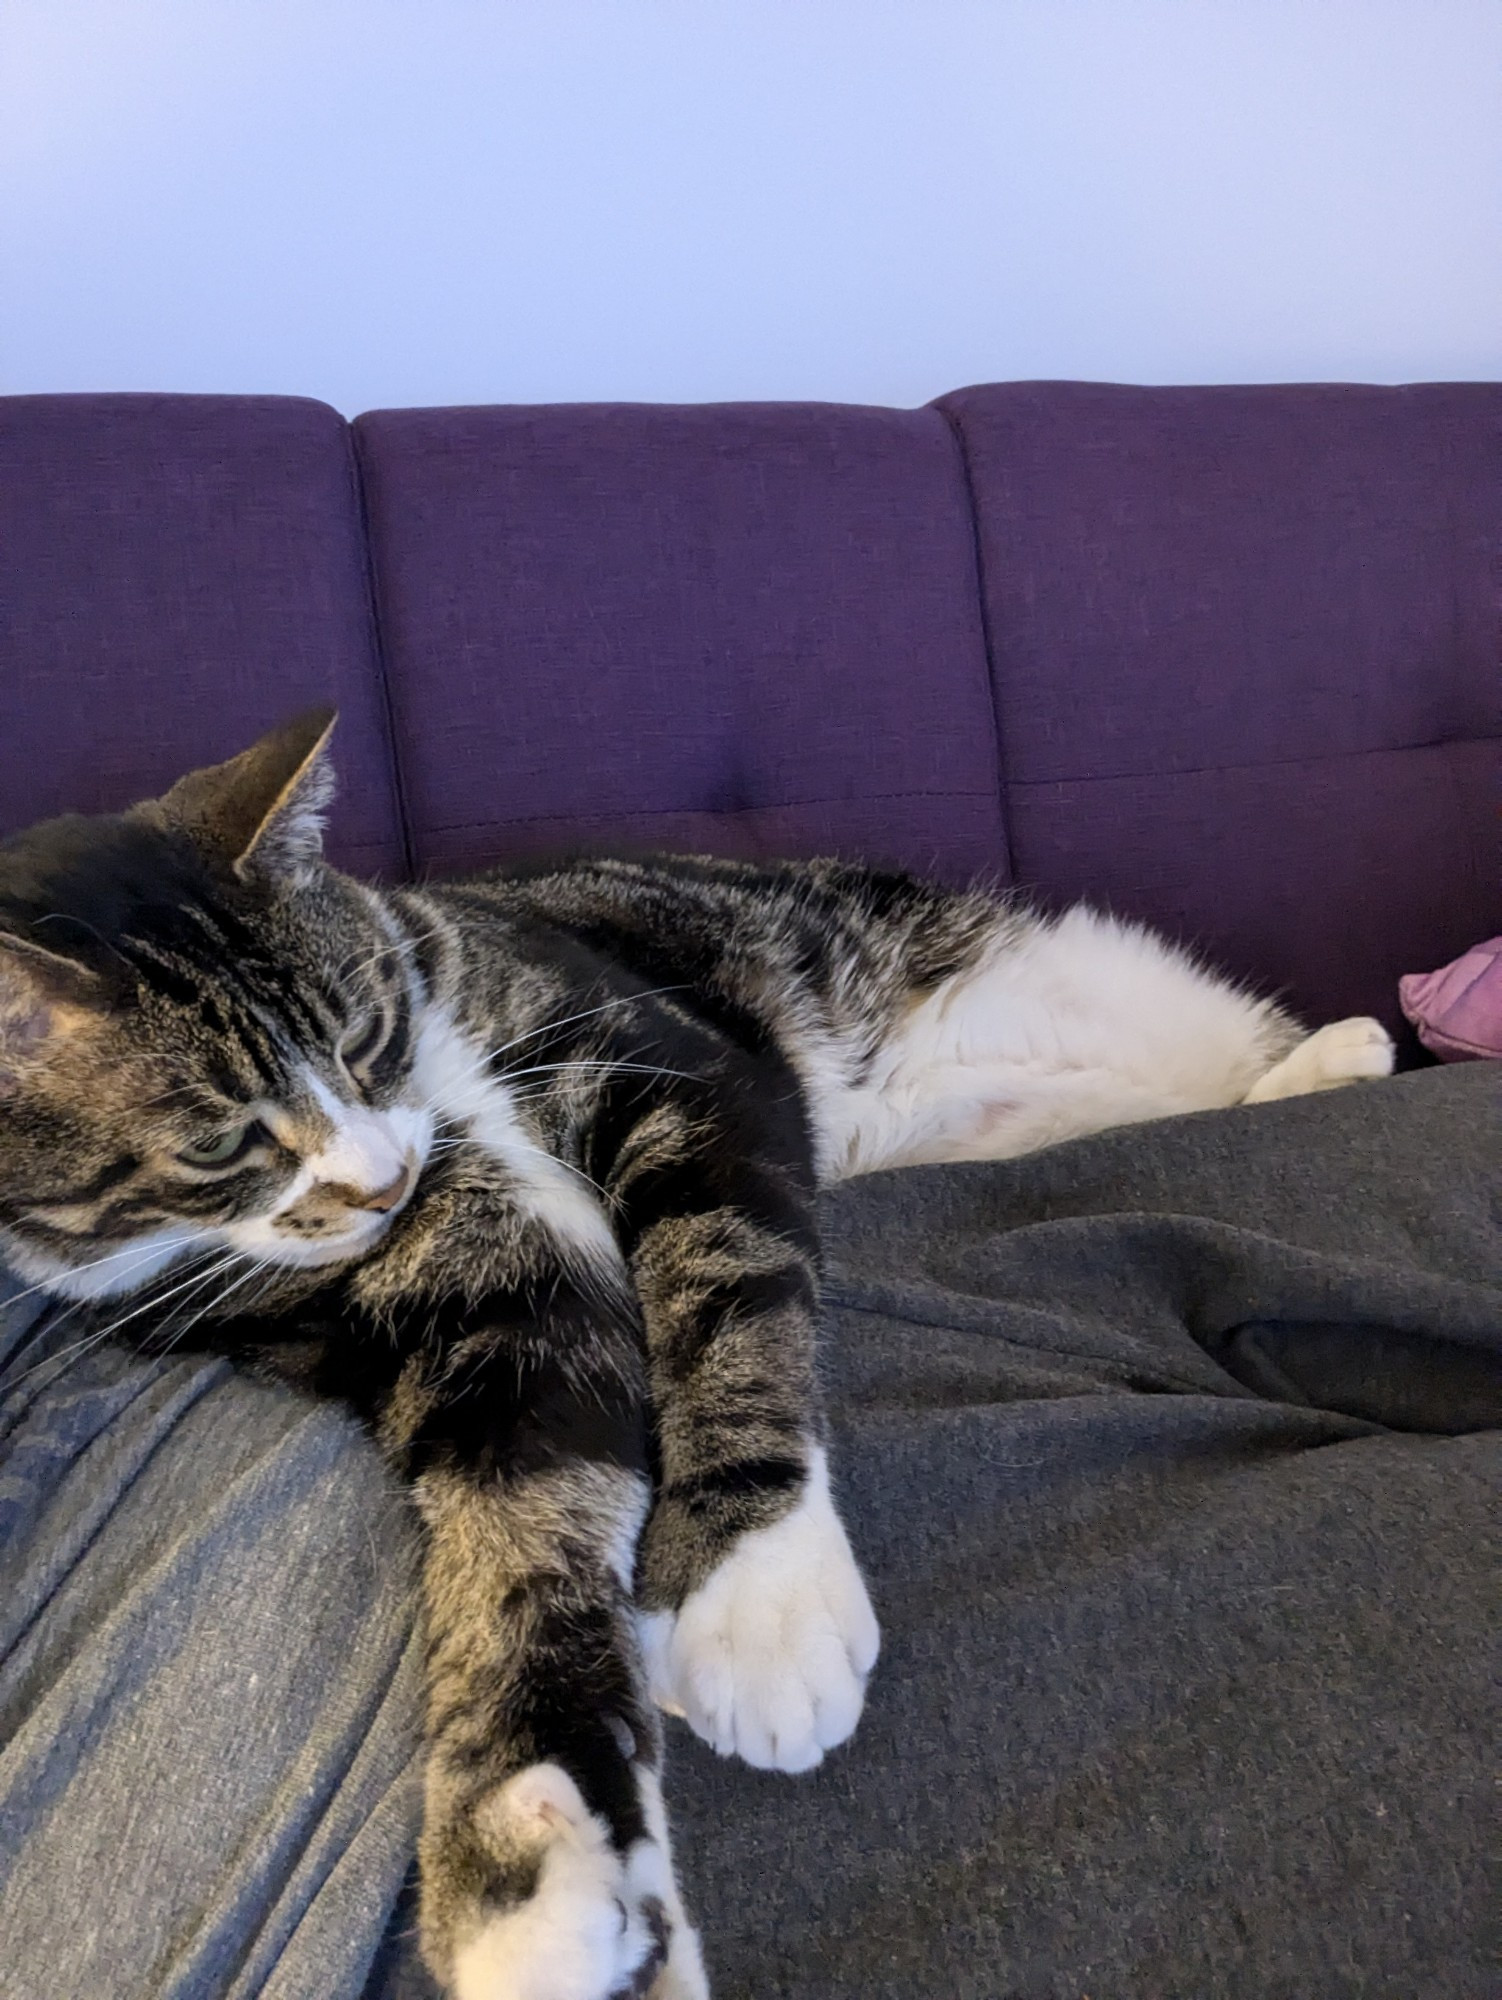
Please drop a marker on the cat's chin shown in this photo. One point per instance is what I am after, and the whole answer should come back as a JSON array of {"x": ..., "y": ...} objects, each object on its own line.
[{"x": 311, "y": 1255}]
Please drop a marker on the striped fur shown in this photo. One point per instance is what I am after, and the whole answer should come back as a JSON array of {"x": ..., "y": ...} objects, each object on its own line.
[{"x": 522, "y": 1169}]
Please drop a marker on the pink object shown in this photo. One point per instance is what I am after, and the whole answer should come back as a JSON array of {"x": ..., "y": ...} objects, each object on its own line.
[{"x": 1458, "y": 1010}]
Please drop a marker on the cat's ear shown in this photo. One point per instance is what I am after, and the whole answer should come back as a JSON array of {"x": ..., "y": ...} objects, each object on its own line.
[
  {"x": 261, "y": 815},
  {"x": 43, "y": 996}
]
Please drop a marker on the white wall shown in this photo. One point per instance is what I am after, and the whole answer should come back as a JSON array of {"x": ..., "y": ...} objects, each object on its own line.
[{"x": 431, "y": 201}]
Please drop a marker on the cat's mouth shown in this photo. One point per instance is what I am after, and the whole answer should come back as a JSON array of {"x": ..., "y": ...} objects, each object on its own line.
[
  {"x": 309, "y": 1253},
  {"x": 360, "y": 1236},
  {"x": 315, "y": 1231}
]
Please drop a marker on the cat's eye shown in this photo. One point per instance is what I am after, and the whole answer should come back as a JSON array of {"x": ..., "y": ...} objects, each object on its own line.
[
  {"x": 363, "y": 1045},
  {"x": 223, "y": 1149}
]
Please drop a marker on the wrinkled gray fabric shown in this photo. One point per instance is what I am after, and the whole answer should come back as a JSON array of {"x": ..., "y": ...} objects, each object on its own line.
[
  {"x": 1184, "y": 1692},
  {"x": 208, "y": 1689},
  {"x": 1172, "y": 1458}
]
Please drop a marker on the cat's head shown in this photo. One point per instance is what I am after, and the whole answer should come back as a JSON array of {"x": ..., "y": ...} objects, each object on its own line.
[{"x": 206, "y": 1033}]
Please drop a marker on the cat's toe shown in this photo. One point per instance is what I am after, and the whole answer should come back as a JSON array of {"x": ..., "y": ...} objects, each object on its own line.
[
  {"x": 597, "y": 1925},
  {"x": 682, "y": 1978},
  {"x": 1357, "y": 1050},
  {"x": 768, "y": 1659}
]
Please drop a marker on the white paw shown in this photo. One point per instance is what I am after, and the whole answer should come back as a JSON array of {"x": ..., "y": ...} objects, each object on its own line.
[
  {"x": 1350, "y": 1051},
  {"x": 596, "y": 1927},
  {"x": 768, "y": 1659}
]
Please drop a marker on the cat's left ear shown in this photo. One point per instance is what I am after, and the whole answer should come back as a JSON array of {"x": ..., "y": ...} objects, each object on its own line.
[
  {"x": 261, "y": 815},
  {"x": 44, "y": 996}
]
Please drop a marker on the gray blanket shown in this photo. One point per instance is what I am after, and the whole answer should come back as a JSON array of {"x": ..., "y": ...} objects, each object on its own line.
[{"x": 1172, "y": 1458}]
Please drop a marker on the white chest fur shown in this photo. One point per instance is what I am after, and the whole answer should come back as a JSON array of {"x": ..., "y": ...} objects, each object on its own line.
[{"x": 457, "y": 1079}]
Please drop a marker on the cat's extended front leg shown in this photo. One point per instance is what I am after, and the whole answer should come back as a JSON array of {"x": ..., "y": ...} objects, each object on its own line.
[
  {"x": 756, "y": 1622},
  {"x": 545, "y": 1867}
]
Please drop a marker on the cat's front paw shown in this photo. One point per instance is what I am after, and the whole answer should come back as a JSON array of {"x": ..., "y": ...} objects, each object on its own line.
[
  {"x": 596, "y": 1926},
  {"x": 768, "y": 1658}
]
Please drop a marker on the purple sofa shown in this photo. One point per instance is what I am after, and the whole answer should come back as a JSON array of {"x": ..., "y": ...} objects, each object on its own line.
[{"x": 1225, "y": 659}]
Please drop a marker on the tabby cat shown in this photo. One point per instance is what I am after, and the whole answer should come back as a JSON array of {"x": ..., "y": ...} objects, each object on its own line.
[{"x": 522, "y": 1168}]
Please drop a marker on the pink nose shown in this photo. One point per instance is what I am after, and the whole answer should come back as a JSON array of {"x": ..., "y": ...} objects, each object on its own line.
[{"x": 383, "y": 1200}]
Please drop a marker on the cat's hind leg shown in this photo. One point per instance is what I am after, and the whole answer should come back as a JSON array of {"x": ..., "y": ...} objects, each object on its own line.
[
  {"x": 1350, "y": 1051},
  {"x": 1061, "y": 1027},
  {"x": 1069, "y": 1026}
]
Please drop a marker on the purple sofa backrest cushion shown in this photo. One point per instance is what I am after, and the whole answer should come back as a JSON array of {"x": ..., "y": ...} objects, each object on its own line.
[
  {"x": 1228, "y": 660},
  {"x": 178, "y": 573},
  {"x": 748, "y": 629},
  {"x": 1245, "y": 646}
]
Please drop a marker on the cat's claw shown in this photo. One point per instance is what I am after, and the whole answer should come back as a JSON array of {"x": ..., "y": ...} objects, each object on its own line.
[
  {"x": 768, "y": 1659},
  {"x": 597, "y": 1926}
]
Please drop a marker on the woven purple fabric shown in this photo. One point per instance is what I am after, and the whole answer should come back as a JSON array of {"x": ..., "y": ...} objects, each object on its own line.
[
  {"x": 1245, "y": 644},
  {"x": 748, "y": 629},
  {"x": 177, "y": 573},
  {"x": 1241, "y": 644}
]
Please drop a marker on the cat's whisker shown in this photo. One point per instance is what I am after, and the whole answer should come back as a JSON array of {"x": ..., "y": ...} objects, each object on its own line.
[
  {"x": 69, "y": 1356},
  {"x": 183, "y": 1090},
  {"x": 217, "y": 1301},
  {"x": 590, "y": 1062},
  {"x": 404, "y": 942},
  {"x": 259, "y": 1264},
  {"x": 191, "y": 1284},
  {"x": 568, "y": 1020},
  {"x": 569, "y": 1167},
  {"x": 82, "y": 924},
  {"x": 535, "y": 1094},
  {"x": 59, "y": 1362},
  {"x": 143, "y": 1256},
  {"x": 350, "y": 968}
]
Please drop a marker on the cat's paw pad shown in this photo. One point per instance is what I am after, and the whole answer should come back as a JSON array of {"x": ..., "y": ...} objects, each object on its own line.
[
  {"x": 1352, "y": 1051},
  {"x": 768, "y": 1658},
  {"x": 596, "y": 1927}
]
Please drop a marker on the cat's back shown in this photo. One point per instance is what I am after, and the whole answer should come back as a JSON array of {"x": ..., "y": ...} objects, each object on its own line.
[
  {"x": 809, "y": 917},
  {"x": 690, "y": 909},
  {"x": 774, "y": 937}
]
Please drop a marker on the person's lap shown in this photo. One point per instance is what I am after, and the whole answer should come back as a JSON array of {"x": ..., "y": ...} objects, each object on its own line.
[
  {"x": 1184, "y": 1691},
  {"x": 208, "y": 1683},
  {"x": 1183, "y": 1674}
]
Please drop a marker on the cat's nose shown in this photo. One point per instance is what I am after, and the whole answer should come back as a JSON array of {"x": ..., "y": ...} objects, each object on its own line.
[{"x": 383, "y": 1200}]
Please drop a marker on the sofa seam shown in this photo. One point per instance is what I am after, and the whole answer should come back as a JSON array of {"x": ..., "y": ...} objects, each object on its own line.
[
  {"x": 704, "y": 812},
  {"x": 1254, "y": 763},
  {"x": 988, "y": 638},
  {"x": 377, "y": 630}
]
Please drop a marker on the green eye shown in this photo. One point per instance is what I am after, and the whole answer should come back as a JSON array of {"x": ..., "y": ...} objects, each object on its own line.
[{"x": 223, "y": 1149}]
